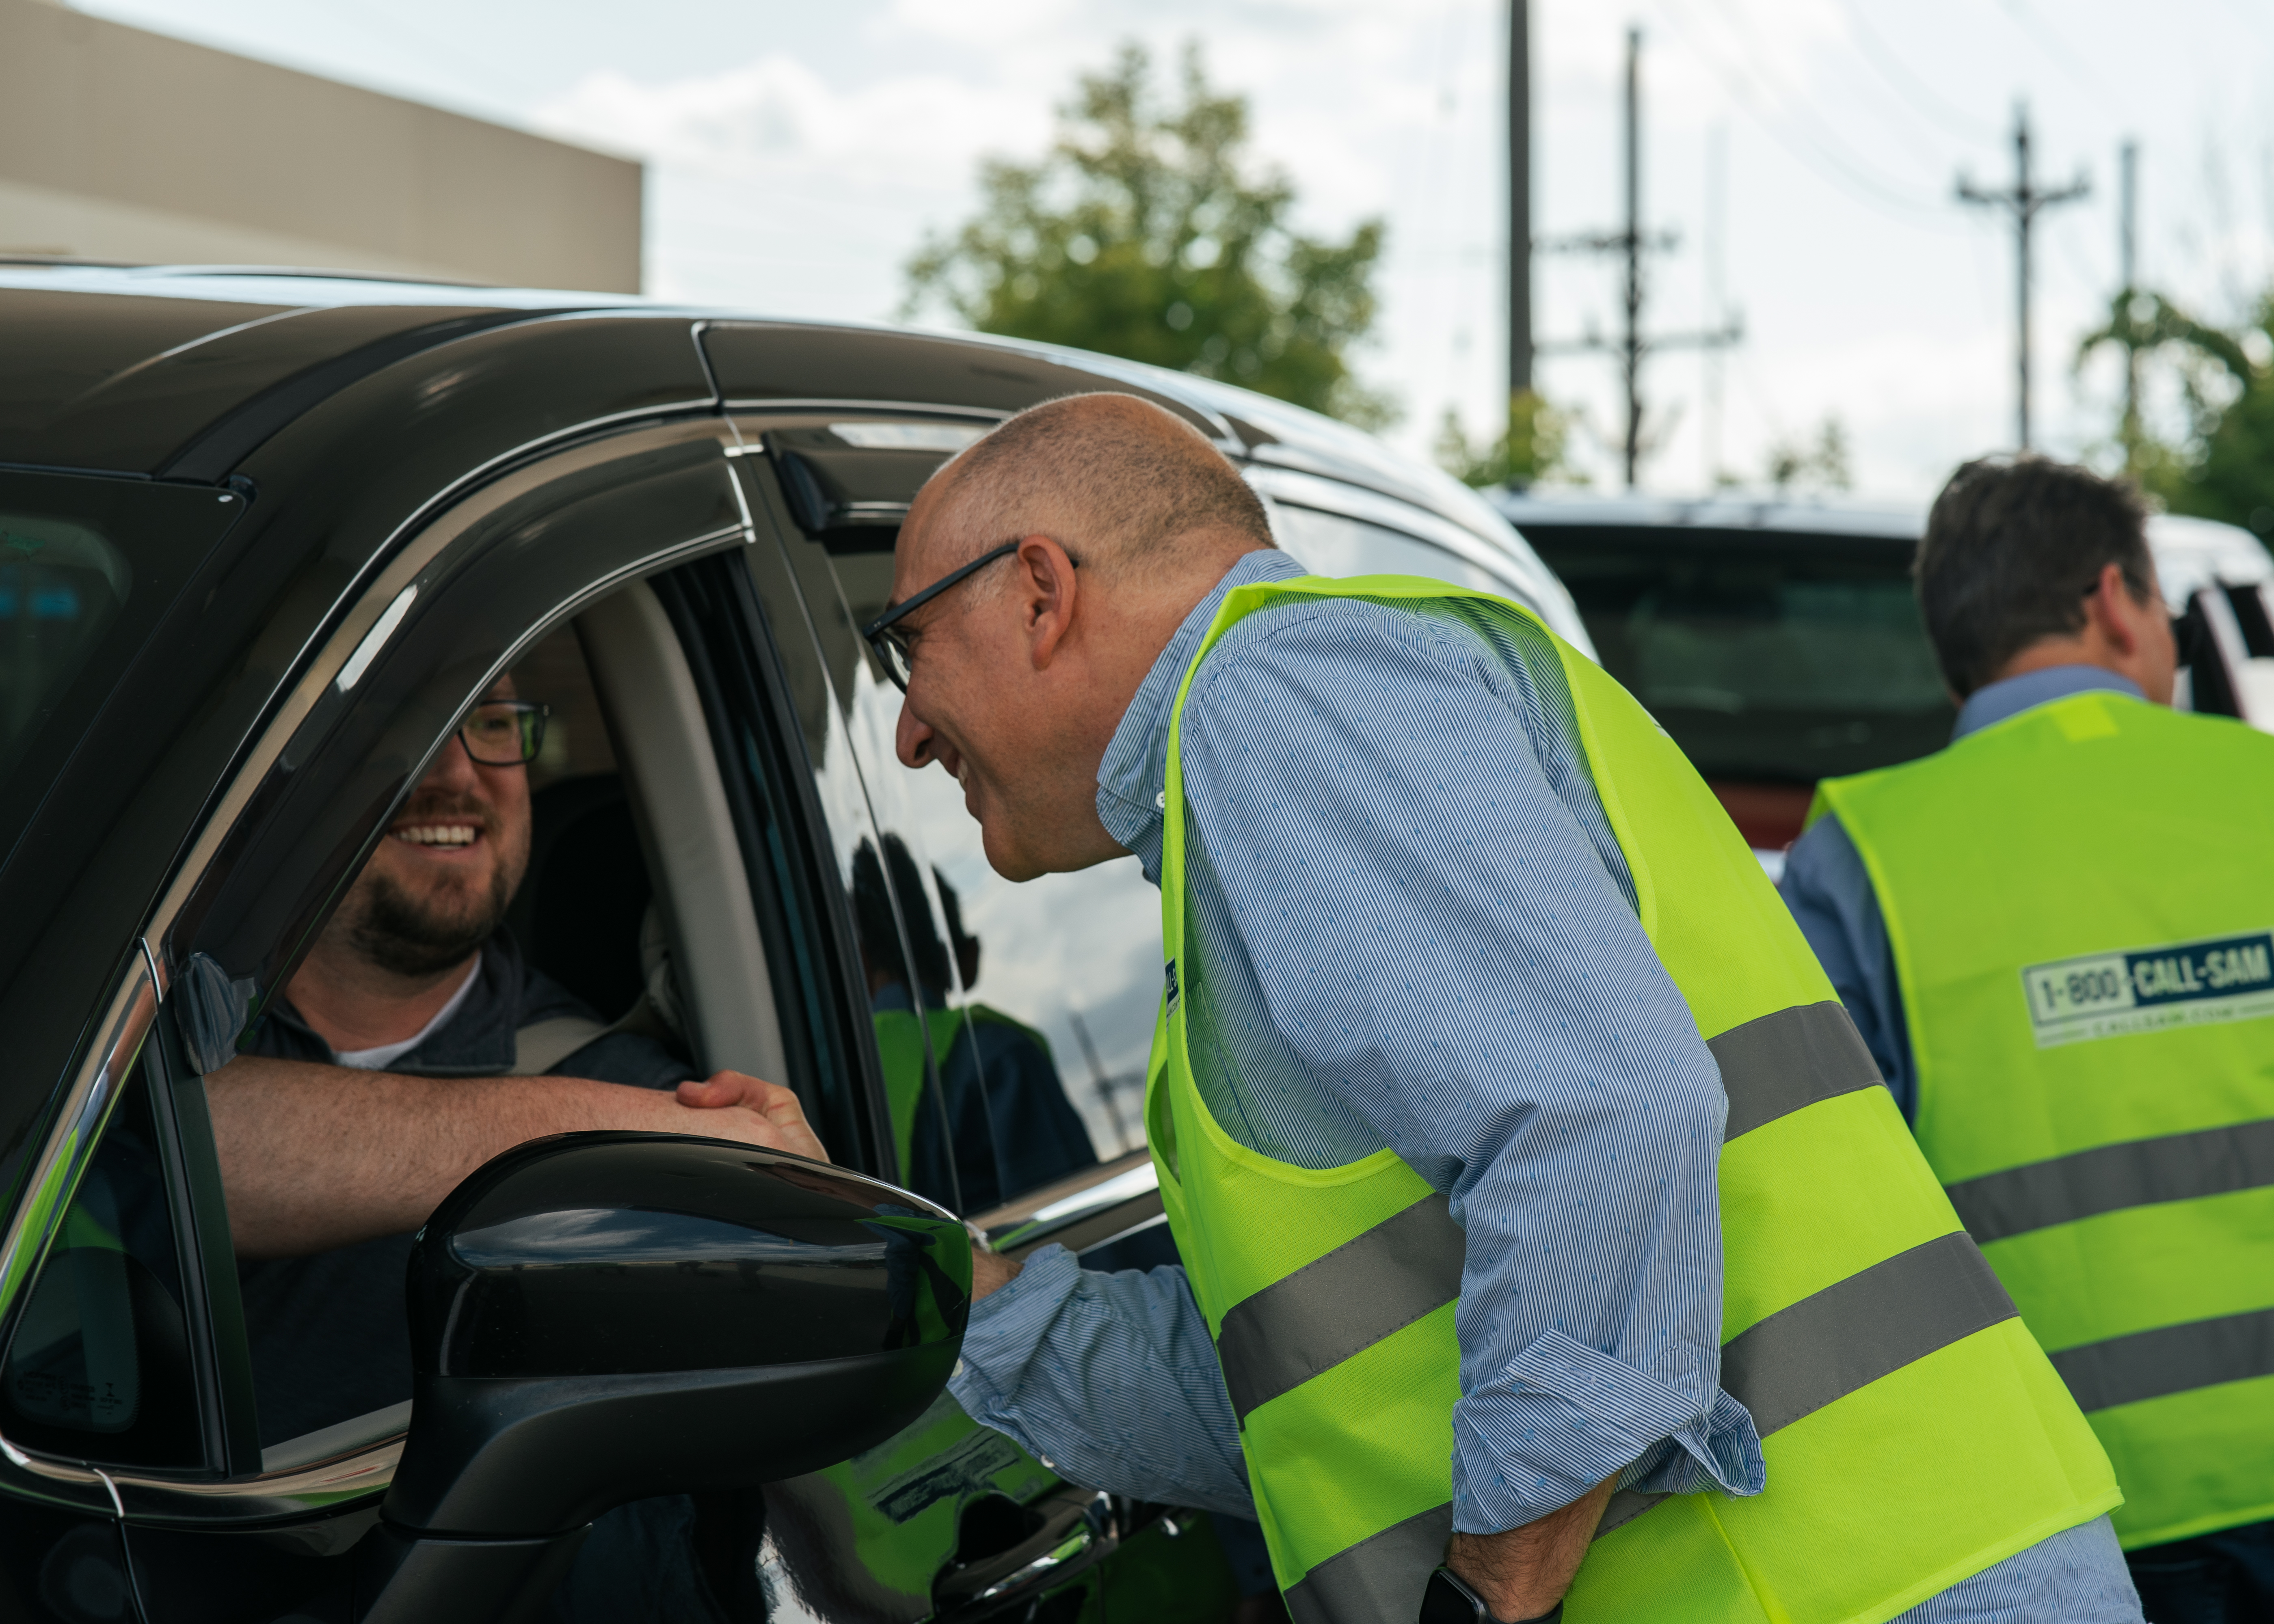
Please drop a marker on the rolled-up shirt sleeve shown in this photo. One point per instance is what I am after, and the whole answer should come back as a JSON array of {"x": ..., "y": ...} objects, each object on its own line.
[
  {"x": 1391, "y": 863},
  {"x": 1111, "y": 1377}
]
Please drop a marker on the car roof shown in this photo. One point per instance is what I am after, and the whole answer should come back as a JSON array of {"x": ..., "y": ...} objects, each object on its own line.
[
  {"x": 119, "y": 367},
  {"x": 1722, "y": 511},
  {"x": 2190, "y": 553}
]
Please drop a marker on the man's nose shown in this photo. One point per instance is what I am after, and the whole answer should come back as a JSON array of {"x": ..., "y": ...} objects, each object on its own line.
[
  {"x": 452, "y": 768},
  {"x": 913, "y": 740}
]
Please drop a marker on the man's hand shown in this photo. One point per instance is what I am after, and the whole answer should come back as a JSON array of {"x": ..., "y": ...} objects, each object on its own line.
[
  {"x": 317, "y": 1156},
  {"x": 1524, "y": 1572},
  {"x": 773, "y": 1105},
  {"x": 991, "y": 1272}
]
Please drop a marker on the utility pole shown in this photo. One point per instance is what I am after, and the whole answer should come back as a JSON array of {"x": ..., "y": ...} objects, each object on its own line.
[
  {"x": 2128, "y": 250},
  {"x": 1717, "y": 200},
  {"x": 1519, "y": 197},
  {"x": 2024, "y": 202},
  {"x": 1630, "y": 243},
  {"x": 1630, "y": 357}
]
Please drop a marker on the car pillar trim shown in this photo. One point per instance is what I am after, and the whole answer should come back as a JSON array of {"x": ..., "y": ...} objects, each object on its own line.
[
  {"x": 355, "y": 1477},
  {"x": 70, "y": 1149},
  {"x": 377, "y": 594}
]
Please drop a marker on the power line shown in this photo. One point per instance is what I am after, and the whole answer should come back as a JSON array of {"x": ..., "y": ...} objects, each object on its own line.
[
  {"x": 1829, "y": 156},
  {"x": 1955, "y": 121},
  {"x": 2075, "y": 66}
]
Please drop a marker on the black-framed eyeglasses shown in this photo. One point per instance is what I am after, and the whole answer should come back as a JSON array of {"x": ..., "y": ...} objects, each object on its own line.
[
  {"x": 891, "y": 646},
  {"x": 504, "y": 733}
]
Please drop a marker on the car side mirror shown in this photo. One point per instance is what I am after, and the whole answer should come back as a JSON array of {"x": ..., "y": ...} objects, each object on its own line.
[{"x": 598, "y": 1318}]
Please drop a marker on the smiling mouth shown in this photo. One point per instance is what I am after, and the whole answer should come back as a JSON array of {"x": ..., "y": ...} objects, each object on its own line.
[{"x": 445, "y": 836}]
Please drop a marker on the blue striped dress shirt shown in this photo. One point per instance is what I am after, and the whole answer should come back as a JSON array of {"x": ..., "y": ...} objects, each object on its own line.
[{"x": 1412, "y": 926}]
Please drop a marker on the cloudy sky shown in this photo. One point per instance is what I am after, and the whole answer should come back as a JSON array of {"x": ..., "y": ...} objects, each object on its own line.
[{"x": 1803, "y": 151}]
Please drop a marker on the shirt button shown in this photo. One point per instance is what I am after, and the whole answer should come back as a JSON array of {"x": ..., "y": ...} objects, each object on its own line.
[{"x": 1160, "y": 800}]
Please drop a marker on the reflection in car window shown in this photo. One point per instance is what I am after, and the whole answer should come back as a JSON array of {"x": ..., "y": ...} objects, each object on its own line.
[
  {"x": 1054, "y": 982},
  {"x": 61, "y": 586},
  {"x": 1330, "y": 544},
  {"x": 1773, "y": 659},
  {"x": 88, "y": 566},
  {"x": 100, "y": 1365}
]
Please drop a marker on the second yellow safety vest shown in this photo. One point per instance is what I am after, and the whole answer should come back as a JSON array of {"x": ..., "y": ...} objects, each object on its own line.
[{"x": 2081, "y": 904}]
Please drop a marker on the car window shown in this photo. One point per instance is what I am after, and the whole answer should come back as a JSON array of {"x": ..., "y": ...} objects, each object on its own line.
[
  {"x": 87, "y": 566},
  {"x": 1330, "y": 544},
  {"x": 1012, "y": 1022},
  {"x": 324, "y": 1343},
  {"x": 1771, "y": 659},
  {"x": 99, "y": 1366}
]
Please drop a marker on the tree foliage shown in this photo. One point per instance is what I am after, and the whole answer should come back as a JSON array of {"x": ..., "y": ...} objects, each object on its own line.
[
  {"x": 2223, "y": 468},
  {"x": 1533, "y": 451},
  {"x": 1143, "y": 233},
  {"x": 1797, "y": 464}
]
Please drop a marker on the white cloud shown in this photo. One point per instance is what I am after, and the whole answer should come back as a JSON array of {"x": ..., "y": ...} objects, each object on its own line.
[{"x": 777, "y": 117}]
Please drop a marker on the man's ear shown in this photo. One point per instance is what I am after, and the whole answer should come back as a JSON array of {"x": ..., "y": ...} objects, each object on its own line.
[
  {"x": 1048, "y": 595},
  {"x": 2120, "y": 618}
]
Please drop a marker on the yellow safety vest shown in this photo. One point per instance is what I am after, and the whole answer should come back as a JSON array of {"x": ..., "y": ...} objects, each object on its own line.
[
  {"x": 2081, "y": 903},
  {"x": 1913, "y": 1432}
]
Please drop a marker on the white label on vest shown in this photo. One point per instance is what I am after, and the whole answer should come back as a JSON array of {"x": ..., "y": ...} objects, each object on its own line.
[{"x": 2109, "y": 995}]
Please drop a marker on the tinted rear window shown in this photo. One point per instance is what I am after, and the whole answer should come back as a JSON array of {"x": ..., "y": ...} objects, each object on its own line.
[
  {"x": 1775, "y": 658},
  {"x": 86, "y": 567}
]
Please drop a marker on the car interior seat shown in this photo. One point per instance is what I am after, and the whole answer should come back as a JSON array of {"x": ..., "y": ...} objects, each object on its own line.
[{"x": 581, "y": 909}]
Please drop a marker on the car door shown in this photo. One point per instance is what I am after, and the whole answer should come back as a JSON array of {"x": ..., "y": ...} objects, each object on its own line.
[
  {"x": 1012, "y": 1026},
  {"x": 129, "y": 1393}
]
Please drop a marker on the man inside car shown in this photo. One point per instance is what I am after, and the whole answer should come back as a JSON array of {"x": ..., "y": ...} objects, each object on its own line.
[{"x": 384, "y": 1076}]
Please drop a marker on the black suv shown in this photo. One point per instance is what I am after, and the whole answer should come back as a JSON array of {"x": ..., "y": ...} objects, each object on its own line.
[{"x": 264, "y": 539}]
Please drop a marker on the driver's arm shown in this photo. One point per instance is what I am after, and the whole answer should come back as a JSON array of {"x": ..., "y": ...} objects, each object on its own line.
[{"x": 317, "y": 1156}]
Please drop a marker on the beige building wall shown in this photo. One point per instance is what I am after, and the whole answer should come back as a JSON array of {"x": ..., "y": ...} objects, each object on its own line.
[{"x": 119, "y": 144}]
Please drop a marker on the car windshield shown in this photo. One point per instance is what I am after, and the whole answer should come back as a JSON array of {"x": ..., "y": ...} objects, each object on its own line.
[
  {"x": 87, "y": 566},
  {"x": 1776, "y": 658}
]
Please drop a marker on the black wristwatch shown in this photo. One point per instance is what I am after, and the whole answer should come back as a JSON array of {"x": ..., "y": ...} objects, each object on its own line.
[{"x": 1448, "y": 1601}]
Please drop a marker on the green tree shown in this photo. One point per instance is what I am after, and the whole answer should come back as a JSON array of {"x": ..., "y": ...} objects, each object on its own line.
[
  {"x": 1142, "y": 234},
  {"x": 2224, "y": 466},
  {"x": 1533, "y": 451},
  {"x": 1797, "y": 464}
]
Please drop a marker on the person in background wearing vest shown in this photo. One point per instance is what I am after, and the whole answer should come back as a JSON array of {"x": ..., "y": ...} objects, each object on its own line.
[
  {"x": 1494, "y": 1090},
  {"x": 387, "y": 1074},
  {"x": 1005, "y": 1121},
  {"x": 2057, "y": 936}
]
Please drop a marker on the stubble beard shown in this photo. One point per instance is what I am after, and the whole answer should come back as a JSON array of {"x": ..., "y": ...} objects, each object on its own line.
[{"x": 416, "y": 937}]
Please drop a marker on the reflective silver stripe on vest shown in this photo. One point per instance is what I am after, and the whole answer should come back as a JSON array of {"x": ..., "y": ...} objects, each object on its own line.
[
  {"x": 1845, "y": 1337},
  {"x": 1857, "y": 1330},
  {"x": 2178, "y": 1167},
  {"x": 1798, "y": 1360},
  {"x": 1406, "y": 1266},
  {"x": 1381, "y": 1578},
  {"x": 2174, "y": 1358},
  {"x": 1623, "y": 1508},
  {"x": 1410, "y": 1264},
  {"x": 1784, "y": 1062}
]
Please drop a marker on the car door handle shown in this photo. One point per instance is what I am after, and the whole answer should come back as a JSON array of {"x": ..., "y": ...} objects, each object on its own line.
[{"x": 1077, "y": 1530}]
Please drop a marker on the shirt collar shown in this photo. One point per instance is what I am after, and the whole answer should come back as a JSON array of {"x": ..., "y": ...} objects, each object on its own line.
[
  {"x": 1994, "y": 704},
  {"x": 1131, "y": 778},
  {"x": 476, "y": 1041}
]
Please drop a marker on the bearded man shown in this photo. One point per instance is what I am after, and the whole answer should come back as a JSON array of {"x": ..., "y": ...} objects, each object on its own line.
[{"x": 387, "y": 1072}]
